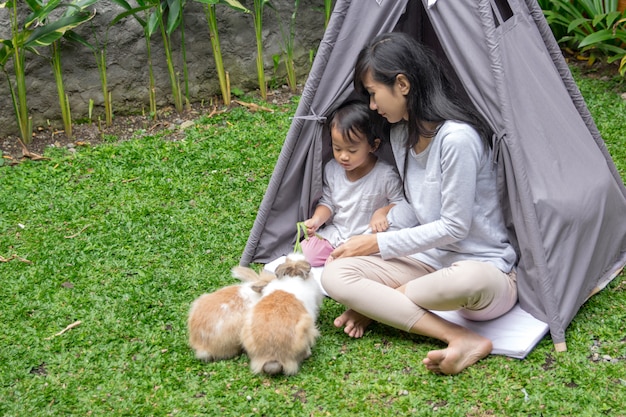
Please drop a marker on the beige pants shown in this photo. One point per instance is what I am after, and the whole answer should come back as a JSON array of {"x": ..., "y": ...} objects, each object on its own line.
[{"x": 366, "y": 284}]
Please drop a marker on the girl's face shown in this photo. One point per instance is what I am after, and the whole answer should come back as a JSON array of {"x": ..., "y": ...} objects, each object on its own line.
[
  {"x": 351, "y": 156},
  {"x": 389, "y": 102}
]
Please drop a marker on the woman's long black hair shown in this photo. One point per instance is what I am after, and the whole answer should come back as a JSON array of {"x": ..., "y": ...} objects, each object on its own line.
[{"x": 432, "y": 96}]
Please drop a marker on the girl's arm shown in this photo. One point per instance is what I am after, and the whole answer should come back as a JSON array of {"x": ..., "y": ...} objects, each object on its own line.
[
  {"x": 320, "y": 216},
  {"x": 379, "y": 222}
]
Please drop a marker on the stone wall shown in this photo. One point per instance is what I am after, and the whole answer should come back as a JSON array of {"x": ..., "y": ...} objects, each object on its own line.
[{"x": 127, "y": 69}]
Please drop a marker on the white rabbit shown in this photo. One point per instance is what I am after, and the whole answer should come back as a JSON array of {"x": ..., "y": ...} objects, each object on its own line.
[{"x": 280, "y": 329}]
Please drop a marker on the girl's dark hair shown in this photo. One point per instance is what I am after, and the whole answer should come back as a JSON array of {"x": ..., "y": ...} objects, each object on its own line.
[
  {"x": 351, "y": 118},
  {"x": 432, "y": 96}
]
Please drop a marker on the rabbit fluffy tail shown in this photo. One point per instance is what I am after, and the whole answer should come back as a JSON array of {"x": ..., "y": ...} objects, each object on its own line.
[
  {"x": 275, "y": 367},
  {"x": 272, "y": 368}
]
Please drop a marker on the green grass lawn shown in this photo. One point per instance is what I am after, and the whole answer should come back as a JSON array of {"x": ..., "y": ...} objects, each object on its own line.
[{"x": 123, "y": 236}]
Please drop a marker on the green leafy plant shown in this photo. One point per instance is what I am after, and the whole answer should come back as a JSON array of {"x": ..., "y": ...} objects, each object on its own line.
[
  {"x": 595, "y": 28},
  {"x": 144, "y": 7},
  {"x": 222, "y": 75},
  {"x": 328, "y": 9},
  {"x": 99, "y": 49},
  {"x": 288, "y": 37},
  {"x": 164, "y": 16},
  {"x": 259, "y": 6},
  {"x": 64, "y": 102},
  {"x": 90, "y": 111},
  {"x": 622, "y": 65},
  {"x": 612, "y": 41},
  {"x": 101, "y": 61},
  {"x": 16, "y": 48},
  {"x": 167, "y": 16},
  {"x": 183, "y": 51},
  {"x": 76, "y": 12},
  {"x": 276, "y": 60},
  {"x": 37, "y": 30}
]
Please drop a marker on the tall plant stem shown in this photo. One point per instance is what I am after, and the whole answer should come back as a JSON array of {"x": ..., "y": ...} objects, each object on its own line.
[
  {"x": 217, "y": 53},
  {"x": 108, "y": 107},
  {"x": 24, "y": 120},
  {"x": 63, "y": 98},
  {"x": 20, "y": 106},
  {"x": 178, "y": 99},
  {"x": 258, "y": 29},
  {"x": 151, "y": 82},
  {"x": 184, "y": 57},
  {"x": 289, "y": 45},
  {"x": 174, "y": 80},
  {"x": 18, "y": 116},
  {"x": 328, "y": 9}
]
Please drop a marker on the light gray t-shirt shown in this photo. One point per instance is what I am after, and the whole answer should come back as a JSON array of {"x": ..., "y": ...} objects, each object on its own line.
[
  {"x": 451, "y": 185},
  {"x": 352, "y": 203}
]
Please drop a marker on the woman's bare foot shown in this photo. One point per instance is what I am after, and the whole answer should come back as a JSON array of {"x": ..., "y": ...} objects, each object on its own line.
[
  {"x": 460, "y": 353},
  {"x": 354, "y": 323}
]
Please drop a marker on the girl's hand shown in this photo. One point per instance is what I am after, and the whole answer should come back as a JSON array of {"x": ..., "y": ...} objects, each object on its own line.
[
  {"x": 311, "y": 226},
  {"x": 357, "y": 246},
  {"x": 379, "y": 223}
]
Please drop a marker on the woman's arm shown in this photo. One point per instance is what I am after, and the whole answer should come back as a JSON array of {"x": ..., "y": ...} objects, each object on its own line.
[{"x": 445, "y": 198}]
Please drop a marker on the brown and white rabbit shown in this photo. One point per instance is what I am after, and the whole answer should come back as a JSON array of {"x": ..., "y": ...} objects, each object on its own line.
[
  {"x": 280, "y": 329},
  {"x": 215, "y": 319}
]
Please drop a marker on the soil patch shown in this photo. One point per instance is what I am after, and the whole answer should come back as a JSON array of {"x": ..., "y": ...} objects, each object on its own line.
[
  {"x": 599, "y": 69},
  {"x": 122, "y": 128}
]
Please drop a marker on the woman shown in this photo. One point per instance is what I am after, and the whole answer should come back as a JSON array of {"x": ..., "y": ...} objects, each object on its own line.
[{"x": 459, "y": 256}]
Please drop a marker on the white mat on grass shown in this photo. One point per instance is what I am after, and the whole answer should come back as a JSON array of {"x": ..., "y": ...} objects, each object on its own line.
[{"x": 514, "y": 334}]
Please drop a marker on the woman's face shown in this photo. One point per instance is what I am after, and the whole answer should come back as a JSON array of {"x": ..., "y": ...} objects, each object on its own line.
[{"x": 389, "y": 102}]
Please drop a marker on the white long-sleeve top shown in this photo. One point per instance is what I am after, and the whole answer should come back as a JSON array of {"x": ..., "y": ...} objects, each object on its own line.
[{"x": 451, "y": 185}]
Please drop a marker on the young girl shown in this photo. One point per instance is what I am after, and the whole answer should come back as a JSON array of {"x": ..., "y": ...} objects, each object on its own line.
[
  {"x": 359, "y": 190},
  {"x": 458, "y": 257}
]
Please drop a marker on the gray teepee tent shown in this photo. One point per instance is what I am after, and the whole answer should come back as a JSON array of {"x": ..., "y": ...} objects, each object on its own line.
[{"x": 562, "y": 195}]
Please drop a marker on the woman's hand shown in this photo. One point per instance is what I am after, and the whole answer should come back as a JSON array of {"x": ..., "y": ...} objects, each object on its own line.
[{"x": 357, "y": 246}]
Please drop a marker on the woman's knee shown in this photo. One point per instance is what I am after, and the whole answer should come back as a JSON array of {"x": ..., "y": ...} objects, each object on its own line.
[
  {"x": 332, "y": 278},
  {"x": 474, "y": 276},
  {"x": 463, "y": 280},
  {"x": 489, "y": 285}
]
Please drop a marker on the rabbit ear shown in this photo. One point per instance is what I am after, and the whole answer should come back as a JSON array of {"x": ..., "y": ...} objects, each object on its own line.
[
  {"x": 266, "y": 276},
  {"x": 258, "y": 286},
  {"x": 303, "y": 268},
  {"x": 292, "y": 268},
  {"x": 280, "y": 271},
  {"x": 245, "y": 274}
]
